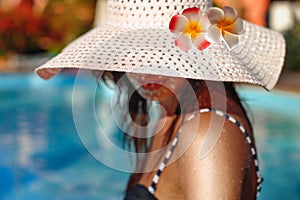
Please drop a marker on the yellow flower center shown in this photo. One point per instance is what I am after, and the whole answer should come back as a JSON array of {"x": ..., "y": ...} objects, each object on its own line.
[
  {"x": 225, "y": 25},
  {"x": 192, "y": 28}
]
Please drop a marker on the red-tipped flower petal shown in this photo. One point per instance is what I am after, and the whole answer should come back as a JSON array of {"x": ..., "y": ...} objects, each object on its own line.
[
  {"x": 178, "y": 23},
  {"x": 200, "y": 42},
  {"x": 193, "y": 14}
]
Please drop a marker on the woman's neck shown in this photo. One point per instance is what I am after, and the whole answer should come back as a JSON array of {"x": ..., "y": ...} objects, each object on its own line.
[{"x": 169, "y": 106}]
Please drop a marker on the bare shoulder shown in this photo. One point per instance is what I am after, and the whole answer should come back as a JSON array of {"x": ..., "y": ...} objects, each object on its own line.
[{"x": 214, "y": 160}]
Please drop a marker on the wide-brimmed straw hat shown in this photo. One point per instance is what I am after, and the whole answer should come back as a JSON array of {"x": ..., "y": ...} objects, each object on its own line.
[{"x": 177, "y": 38}]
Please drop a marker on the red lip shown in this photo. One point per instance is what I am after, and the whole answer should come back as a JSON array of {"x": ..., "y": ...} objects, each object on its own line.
[{"x": 151, "y": 86}]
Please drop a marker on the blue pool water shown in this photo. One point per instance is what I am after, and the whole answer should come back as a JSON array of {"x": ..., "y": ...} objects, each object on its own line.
[{"x": 42, "y": 157}]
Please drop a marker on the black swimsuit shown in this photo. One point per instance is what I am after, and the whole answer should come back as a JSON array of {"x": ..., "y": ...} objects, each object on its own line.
[{"x": 139, "y": 191}]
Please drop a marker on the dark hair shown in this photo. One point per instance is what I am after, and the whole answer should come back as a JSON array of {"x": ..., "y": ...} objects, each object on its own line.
[{"x": 199, "y": 87}]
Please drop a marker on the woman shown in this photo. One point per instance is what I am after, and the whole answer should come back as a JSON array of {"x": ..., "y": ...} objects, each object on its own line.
[
  {"x": 227, "y": 171},
  {"x": 202, "y": 146}
]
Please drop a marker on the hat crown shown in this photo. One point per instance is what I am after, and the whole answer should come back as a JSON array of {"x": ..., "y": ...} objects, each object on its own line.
[{"x": 148, "y": 13}]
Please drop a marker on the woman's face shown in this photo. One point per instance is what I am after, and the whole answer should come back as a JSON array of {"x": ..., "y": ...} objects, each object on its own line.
[{"x": 156, "y": 87}]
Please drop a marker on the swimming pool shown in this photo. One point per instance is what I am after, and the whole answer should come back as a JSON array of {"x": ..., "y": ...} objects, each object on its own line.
[{"x": 42, "y": 157}]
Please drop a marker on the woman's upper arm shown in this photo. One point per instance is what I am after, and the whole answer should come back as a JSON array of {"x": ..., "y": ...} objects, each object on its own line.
[{"x": 220, "y": 174}]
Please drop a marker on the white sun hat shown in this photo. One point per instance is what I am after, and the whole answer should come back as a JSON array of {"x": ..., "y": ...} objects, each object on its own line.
[{"x": 178, "y": 38}]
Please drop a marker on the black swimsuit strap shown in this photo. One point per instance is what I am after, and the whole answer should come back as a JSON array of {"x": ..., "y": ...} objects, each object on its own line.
[
  {"x": 156, "y": 177},
  {"x": 251, "y": 145}
]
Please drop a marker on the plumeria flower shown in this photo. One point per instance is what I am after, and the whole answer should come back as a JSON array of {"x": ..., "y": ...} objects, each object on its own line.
[
  {"x": 190, "y": 28},
  {"x": 225, "y": 26}
]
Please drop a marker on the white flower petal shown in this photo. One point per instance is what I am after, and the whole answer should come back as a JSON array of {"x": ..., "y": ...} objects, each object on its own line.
[
  {"x": 204, "y": 22},
  {"x": 213, "y": 34},
  {"x": 215, "y": 15},
  {"x": 183, "y": 42},
  {"x": 200, "y": 42},
  {"x": 236, "y": 28},
  {"x": 193, "y": 14},
  {"x": 178, "y": 23},
  {"x": 231, "y": 14},
  {"x": 231, "y": 40}
]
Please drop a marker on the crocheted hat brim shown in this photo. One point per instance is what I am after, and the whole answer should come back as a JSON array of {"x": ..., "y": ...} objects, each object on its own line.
[{"x": 257, "y": 59}]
